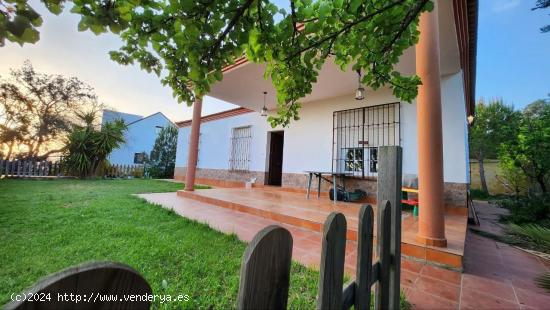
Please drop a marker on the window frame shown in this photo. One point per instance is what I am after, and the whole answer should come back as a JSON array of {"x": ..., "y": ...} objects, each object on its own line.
[
  {"x": 365, "y": 128},
  {"x": 240, "y": 149}
]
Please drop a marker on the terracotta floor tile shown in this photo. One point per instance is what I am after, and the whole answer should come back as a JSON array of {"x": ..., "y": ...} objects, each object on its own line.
[
  {"x": 422, "y": 300},
  {"x": 446, "y": 275},
  {"x": 526, "y": 283},
  {"x": 475, "y": 300},
  {"x": 308, "y": 246},
  {"x": 410, "y": 265},
  {"x": 408, "y": 278},
  {"x": 438, "y": 287},
  {"x": 503, "y": 290},
  {"x": 533, "y": 299}
]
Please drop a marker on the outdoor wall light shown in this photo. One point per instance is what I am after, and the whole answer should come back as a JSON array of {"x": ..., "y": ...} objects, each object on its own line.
[
  {"x": 470, "y": 119},
  {"x": 360, "y": 92},
  {"x": 264, "y": 109}
]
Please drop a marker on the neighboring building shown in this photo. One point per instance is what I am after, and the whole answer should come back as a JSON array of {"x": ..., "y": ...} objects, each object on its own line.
[
  {"x": 340, "y": 134},
  {"x": 140, "y": 136}
]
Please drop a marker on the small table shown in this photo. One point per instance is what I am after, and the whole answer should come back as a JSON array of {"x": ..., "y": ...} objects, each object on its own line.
[{"x": 319, "y": 175}]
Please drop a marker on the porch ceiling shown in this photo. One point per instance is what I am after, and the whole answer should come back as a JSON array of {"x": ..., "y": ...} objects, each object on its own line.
[{"x": 244, "y": 84}]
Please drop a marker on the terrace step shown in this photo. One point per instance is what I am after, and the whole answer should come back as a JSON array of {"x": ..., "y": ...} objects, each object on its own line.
[
  {"x": 294, "y": 214},
  {"x": 294, "y": 209}
]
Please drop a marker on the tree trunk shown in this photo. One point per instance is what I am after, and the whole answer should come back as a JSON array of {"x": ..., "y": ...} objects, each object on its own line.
[
  {"x": 480, "y": 159},
  {"x": 542, "y": 184},
  {"x": 10, "y": 150}
]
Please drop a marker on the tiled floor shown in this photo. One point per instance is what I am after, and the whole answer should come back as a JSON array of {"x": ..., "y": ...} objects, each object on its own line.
[
  {"x": 293, "y": 208},
  {"x": 496, "y": 276}
]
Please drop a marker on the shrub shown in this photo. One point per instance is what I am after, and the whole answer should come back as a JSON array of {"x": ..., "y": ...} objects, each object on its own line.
[
  {"x": 479, "y": 194},
  {"x": 163, "y": 156},
  {"x": 87, "y": 148},
  {"x": 526, "y": 210}
]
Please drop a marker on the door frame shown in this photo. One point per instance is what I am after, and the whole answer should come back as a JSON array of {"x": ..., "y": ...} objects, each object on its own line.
[{"x": 268, "y": 161}]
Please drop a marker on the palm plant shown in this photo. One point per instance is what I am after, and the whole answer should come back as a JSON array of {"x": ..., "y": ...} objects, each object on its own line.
[
  {"x": 544, "y": 281},
  {"x": 536, "y": 234},
  {"x": 87, "y": 148},
  {"x": 540, "y": 237}
]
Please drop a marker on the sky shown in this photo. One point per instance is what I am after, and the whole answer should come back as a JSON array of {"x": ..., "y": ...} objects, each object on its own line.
[{"x": 513, "y": 60}]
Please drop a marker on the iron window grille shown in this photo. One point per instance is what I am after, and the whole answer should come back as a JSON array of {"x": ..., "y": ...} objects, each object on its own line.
[
  {"x": 239, "y": 159},
  {"x": 357, "y": 134}
]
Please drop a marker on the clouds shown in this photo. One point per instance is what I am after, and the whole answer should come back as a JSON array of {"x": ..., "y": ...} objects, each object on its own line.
[{"x": 499, "y": 6}]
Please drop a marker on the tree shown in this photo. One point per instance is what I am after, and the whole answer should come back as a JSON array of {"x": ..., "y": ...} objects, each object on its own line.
[
  {"x": 494, "y": 124},
  {"x": 190, "y": 42},
  {"x": 37, "y": 110},
  {"x": 512, "y": 177},
  {"x": 543, "y": 4},
  {"x": 19, "y": 21},
  {"x": 87, "y": 148},
  {"x": 530, "y": 151},
  {"x": 162, "y": 161}
]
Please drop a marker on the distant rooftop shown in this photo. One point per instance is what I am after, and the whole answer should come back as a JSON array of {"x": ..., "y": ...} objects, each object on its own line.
[{"x": 109, "y": 116}]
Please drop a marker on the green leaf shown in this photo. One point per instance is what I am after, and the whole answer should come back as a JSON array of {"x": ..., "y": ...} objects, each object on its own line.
[
  {"x": 354, "y": 5},
  {"x": 30, "y": 35}
]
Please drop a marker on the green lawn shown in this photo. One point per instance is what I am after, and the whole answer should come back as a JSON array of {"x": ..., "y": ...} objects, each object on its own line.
[{"x": 46, "y": 226}]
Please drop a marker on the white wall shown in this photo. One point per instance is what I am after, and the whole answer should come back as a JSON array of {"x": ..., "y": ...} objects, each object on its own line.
[
  {"x": 308, "y": 142},
  {"x": 140, "y": 137},
  {"x": 215, "y": 142},
  {"x": 455, "y": 130}
]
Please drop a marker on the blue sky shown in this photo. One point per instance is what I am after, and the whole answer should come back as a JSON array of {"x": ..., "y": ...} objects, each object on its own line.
[
  {"x": 513, "y": 55},
  {"x": 513, "y": 60}
]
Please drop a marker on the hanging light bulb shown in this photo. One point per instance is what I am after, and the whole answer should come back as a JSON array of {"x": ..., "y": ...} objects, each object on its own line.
[
  {"x": 264, "y": 109},
  {"x": 360, "y": 92}
]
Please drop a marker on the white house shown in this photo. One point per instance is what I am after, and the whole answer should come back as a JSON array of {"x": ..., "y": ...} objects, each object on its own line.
[
  {"x": 140, "y": 136},
  {"x": 337, "y": 133}
]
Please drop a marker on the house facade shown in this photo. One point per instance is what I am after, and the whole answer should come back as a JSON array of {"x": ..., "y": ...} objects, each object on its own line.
[
  {"x": 139, "y": 138},
  {"x": 337, "y": 133}
]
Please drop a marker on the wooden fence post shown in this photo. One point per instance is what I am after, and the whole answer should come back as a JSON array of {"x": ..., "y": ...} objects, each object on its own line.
[
  {"x": 332, "y": 262},
  {"x": 90, "y": 280},
  {"x": 389, "y": 188},
  {"x": 384, "y": 241},
  {"x": 265, "y": 270},
  {"x": 363, "y": 271}
]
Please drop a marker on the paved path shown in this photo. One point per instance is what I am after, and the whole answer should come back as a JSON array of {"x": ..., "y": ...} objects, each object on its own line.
[{"x": 496, "y": 275}]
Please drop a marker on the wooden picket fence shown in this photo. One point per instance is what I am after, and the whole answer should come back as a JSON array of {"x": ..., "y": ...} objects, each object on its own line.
[
  {"x": 265, "y": 267},
  {"x": 30, "y": 168}
]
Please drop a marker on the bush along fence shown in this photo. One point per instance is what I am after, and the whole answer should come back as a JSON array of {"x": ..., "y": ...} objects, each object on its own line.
[
  {"x": 30, "y": 168},
  {"x": 265, "y": 267}
]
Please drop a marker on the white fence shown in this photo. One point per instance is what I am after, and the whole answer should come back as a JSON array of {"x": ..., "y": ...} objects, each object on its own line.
[{"x": 30, "y": 168}]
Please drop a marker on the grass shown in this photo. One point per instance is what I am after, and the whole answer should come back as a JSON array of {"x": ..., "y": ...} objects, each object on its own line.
[{"x": 46, "y": 226}]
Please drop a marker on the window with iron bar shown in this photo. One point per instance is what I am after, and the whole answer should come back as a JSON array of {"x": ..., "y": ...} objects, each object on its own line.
[
  {"x": 239, "y": 159},
  {"x": 357, "y": 134}
]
